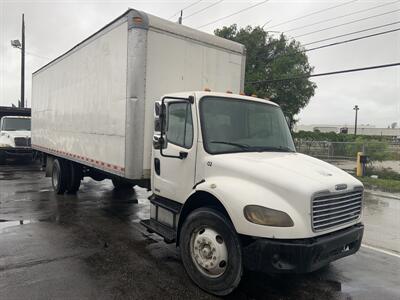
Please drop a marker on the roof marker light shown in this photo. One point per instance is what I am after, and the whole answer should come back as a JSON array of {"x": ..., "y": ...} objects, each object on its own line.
[
  {"x": 137, "y": 20},
  {"x": 207, "y": 90}
]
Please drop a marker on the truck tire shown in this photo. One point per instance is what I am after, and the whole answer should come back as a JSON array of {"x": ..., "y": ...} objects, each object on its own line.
[
  {"x": 211, "y": 251},
  {"x": 120, "y": 184},
  {"x": 75, "y": 177},
  {"x": 2, "y": 157},
  {"x": 59, "y": 176}
]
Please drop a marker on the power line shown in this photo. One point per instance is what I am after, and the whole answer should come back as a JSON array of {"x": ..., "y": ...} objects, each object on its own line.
[
  {"x": 337, "y": 43},
  {"x": 190, "y": 5},
  {"x": 325, "y": 74},
  {"x": 235, "y": 13},
  {"x": 351, "y": 33},
  {"x": 347, "y": 23},
  {"x": 314, "y": 13},
  {"x": 203, "y": 9},
  {"x": 352, "y": 40},
  {"x": 342, "y": 16}
]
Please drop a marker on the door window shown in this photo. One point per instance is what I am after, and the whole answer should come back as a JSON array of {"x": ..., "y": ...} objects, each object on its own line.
[{"x": 180, "y": 124}]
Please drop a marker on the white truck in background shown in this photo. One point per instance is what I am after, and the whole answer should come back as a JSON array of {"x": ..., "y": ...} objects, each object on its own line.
[
  {"x": 15, "y": 138},
  {"x": 228, "y": 186}
]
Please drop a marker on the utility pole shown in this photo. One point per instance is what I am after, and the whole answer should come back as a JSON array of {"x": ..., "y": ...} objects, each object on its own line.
[
  {"x": 23, "y": 64},
  {"x": 180, "y": 18},
  {"x": 356, "y": 108}
]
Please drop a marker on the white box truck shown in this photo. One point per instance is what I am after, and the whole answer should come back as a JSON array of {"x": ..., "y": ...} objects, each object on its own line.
[{"x": 228, "y": 186}]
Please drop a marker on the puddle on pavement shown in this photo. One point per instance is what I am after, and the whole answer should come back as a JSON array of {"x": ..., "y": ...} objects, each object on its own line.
[{"x": 9, "y": 223}]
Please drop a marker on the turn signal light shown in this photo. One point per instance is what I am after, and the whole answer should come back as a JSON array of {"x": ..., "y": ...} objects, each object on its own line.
[
  {"x": 207, "y": 90},
  {"x": 229, "y": 92}
]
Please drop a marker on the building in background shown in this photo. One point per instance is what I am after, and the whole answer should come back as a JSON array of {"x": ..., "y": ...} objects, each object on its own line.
[{"x": 349, "y": 129}]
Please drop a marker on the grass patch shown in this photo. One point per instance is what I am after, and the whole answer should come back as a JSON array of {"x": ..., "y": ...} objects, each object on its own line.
[{"x": 386, "y": 185}]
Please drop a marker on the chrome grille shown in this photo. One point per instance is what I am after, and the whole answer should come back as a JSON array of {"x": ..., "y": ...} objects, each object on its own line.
[
  {"x": 335, "y": 209},
  {"x": 22, "y": 142}
]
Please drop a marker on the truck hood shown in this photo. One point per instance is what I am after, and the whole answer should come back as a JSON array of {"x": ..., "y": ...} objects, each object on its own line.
[
  {"x": 7, "y": 137},
  {"x": 283, "y": 172},
  {"x": 16, "y": 133}
]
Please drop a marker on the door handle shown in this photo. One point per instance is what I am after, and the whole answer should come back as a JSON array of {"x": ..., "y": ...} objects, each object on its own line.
[{"x": 157, "y": 166}]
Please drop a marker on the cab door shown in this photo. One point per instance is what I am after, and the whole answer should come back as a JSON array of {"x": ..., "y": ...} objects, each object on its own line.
[{"x": 173, "y": 172}]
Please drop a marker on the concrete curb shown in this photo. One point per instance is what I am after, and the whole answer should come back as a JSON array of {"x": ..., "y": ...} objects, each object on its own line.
[{"x": 395, "y": 196}]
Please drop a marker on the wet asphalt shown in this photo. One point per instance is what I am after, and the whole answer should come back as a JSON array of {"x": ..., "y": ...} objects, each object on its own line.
[{"x": 91, "y": 246}]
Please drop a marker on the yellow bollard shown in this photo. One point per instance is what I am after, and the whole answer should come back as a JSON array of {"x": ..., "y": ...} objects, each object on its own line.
[{"x": 359, "y": 169}]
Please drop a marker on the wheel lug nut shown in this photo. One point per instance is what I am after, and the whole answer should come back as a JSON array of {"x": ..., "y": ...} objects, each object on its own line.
[{"x": 214, "y": 258}]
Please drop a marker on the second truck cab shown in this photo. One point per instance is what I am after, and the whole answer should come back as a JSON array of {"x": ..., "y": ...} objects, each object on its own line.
[
  {"x": 15, "y": 137},
  {"x": 232, "y": 192}
]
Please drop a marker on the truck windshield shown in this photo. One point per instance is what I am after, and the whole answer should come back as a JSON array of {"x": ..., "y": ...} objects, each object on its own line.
[
  {"x": 16, "y": 124},
  {"x": 236, "y": 125}
]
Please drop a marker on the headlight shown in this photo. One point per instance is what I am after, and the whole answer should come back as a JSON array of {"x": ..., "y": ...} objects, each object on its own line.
[
  {"x": 267, "y": 216},
  {"x": 4, "y": 145}
]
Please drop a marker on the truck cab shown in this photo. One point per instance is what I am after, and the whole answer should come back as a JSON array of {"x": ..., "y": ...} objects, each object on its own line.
[
  {"x": 232, "y": 192},
  {"x": 15, "y": 138}
]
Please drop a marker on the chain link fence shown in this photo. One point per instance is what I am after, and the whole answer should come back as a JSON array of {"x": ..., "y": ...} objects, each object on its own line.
[{"x": 330, "y": 151}]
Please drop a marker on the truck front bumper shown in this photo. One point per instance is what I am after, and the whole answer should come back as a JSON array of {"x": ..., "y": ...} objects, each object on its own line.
[
  {"x": 302, "y": 255},
  {"x": 12, "y": 152}
]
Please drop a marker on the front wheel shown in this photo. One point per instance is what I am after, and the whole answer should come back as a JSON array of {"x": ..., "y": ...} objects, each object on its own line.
[{"x": 211, "y": 251}]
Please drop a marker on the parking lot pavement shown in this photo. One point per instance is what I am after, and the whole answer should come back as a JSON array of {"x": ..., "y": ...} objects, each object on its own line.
[{"x": 91, "y": 246}]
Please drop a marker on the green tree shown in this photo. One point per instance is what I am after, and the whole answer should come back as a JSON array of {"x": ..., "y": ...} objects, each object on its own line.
[{"x": 272, "y": 58}]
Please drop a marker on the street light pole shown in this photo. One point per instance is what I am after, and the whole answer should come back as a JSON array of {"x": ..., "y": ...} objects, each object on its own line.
[
  {"x": 23, "y": 64},
  {"x": 356, "y": 108},
  {"x": 180, "y": 17}
]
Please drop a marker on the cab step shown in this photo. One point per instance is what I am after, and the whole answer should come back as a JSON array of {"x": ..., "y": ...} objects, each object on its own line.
[{"x": 166, "y": 232}]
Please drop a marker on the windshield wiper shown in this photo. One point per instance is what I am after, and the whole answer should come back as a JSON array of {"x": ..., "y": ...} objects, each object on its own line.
[
  {"x": 241, "y": 146},
  {"x": 274, "y": 149}
]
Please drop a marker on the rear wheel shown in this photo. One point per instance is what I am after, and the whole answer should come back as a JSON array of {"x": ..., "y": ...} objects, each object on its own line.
[
  {"x": 211, "y": 251},
  {"x": 75, "y": 177},
  {"x": 120, "y": 184},
  {"x": 59, "y": 176},
  {"x": 2, "y": 157}
]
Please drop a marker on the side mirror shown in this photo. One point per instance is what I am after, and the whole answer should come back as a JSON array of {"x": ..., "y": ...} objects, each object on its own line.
[
  {"x": 156, "y": 142},
  {"x": 158, "y": 115},
  {"x": 157, "y": 125},
  {"x": 157, "y": 109}
]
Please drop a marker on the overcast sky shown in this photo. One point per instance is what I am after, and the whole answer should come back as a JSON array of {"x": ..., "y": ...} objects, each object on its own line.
[{"x": 53, "y": 27}]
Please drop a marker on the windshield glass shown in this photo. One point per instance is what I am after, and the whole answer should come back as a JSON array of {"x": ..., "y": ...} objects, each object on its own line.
[
  {"x": 235, "y": 125},
  {"x": 15, "y": 124}
]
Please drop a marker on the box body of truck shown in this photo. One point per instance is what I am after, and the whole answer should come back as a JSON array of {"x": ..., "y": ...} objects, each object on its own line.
[{"x": 94, "y": 104}]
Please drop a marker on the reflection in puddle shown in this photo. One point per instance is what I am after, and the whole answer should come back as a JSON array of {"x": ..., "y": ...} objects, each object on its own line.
[{"x": 9, "y": 223}]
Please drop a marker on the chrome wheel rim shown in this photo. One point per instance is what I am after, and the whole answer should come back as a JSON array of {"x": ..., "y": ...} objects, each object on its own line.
[
  {"x": 55, "y": 177},
  {"x": 209, "y": 252}
]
